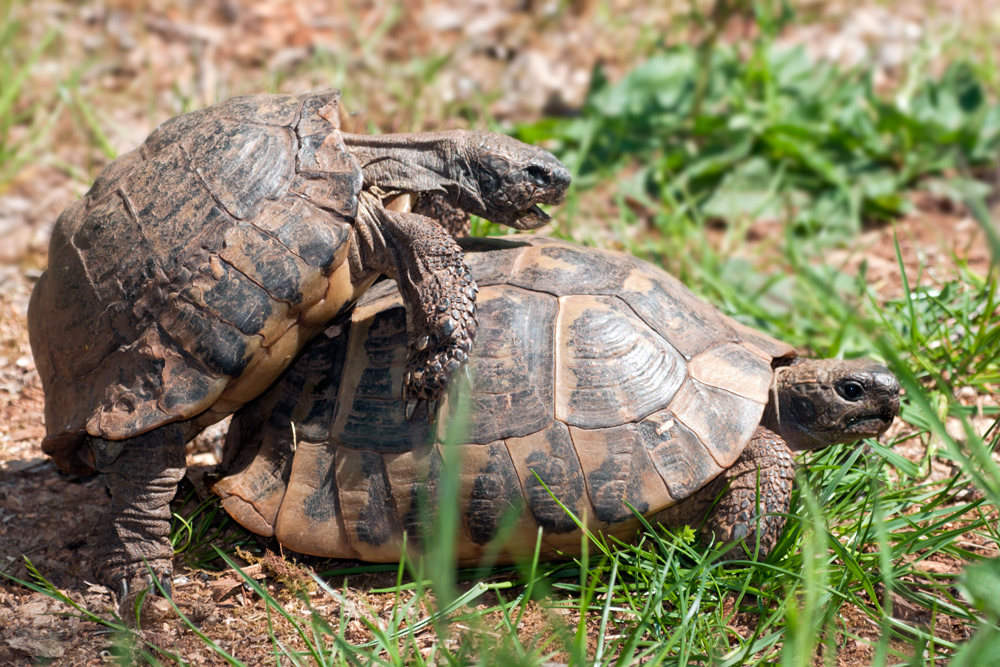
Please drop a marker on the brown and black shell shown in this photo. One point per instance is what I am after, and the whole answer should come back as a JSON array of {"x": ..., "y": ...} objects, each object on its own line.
[
  {"x": 194, "y": 269},
  {"x": 593, "y": 372}
]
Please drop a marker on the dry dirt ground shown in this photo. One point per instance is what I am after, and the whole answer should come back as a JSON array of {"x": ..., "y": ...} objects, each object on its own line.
[{"x": 148, "y": 61}]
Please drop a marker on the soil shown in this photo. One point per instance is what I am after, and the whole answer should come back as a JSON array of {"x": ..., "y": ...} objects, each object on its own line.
[{"x": 151, "y": 63}]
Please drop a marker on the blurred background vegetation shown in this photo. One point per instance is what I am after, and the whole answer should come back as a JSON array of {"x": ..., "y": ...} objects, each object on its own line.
[{"x": 824, "y": 171}]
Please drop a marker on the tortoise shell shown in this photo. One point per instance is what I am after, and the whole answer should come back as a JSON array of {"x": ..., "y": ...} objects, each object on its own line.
[
  {"x": 194, "y": 269},
  {"x": 594, "y": 373}
]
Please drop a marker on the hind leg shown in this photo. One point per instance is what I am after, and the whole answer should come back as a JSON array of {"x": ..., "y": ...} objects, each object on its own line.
[{"x": 142, "y": 474}]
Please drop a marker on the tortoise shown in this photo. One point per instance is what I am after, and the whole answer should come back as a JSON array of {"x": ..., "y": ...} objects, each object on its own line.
[
  {"x": 199, "y": 264},
  {"x": 596, "y": 377}
]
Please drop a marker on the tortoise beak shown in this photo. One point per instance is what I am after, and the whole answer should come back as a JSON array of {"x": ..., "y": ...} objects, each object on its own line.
[
  {"x": 887, "y": 387},
  {"x": 534, "y": 219},
  {"x": 883, "y": 404},
  {"x": 552, "y": 191}
]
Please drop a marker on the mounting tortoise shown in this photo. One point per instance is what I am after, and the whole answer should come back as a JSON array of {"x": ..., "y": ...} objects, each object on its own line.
[
  {"x": 594, "y": 372},
  {"x": 199, "y": 264}
]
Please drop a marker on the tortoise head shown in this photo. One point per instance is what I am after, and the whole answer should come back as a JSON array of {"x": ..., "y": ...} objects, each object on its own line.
[
  {"x": 820, "y": 402},
  {"x": 509, "y": 179},
  {"x": 483, "y": 173}
]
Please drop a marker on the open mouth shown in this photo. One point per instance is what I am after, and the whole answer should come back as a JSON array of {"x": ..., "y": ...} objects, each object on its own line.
[
  {"x": 869, "y": 423},
  {"x": 530, "y": 219},
  {"x": 536, "y": 212}
]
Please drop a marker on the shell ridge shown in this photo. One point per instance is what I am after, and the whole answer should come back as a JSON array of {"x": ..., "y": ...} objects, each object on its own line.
[
  {"x": 276, "y": 239},
  {"x": 130, "y": 207},
  {"x": 592, "y": 509},
  {"x": 166, "y": 335},
  {"x": 714, "y": 450},
  {"x": 654, "y": 329},
  {"x": 261, "y": 285},
  {"x": 233, "y": 493},
  {"x": 748, "y": 374},
  {"x": 208, "y": 188},
  {"x": 393, "y": 508},
  {"x": 90, "y": 279}
]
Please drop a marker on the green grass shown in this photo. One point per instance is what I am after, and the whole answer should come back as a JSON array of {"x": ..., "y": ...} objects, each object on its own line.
[
  {"x": 692, "y": 135},
  {"x": 776, "y": 135},
  {"x": 24, "y": 118}
]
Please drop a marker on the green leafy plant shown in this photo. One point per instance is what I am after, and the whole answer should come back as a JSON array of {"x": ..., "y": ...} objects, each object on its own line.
[{"x": 777, "y": 135}]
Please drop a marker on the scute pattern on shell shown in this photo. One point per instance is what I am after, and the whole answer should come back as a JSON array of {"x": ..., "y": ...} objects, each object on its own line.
[
  {"x": 192, "y": 268},
  {"x": 597, "y": 378}
]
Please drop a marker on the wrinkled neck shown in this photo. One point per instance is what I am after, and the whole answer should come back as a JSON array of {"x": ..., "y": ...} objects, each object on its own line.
[
  {"x": 772, "y": 417},
  {"x": 779, "y": 414},
  {"x": 417, "y": 162}
]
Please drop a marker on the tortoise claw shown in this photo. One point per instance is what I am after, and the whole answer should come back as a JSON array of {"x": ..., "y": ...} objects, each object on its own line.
[
  {"x": 414, "y": 403},
  {"x": 166, "y": 584},
  {"x": 121, "y": 588},
  {"x": 133, "y": 579}
]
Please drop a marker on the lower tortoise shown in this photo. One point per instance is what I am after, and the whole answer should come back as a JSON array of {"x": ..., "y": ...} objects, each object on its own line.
[{"x": 595, "y": 373}]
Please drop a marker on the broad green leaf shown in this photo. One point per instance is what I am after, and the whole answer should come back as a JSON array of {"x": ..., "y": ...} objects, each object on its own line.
[{"x": 981, "y": 583}]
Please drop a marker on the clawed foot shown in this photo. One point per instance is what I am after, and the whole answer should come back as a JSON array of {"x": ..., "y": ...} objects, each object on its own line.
[
  {"x": 138, "y": 599},
  {"x": 438, "y": 290},
  {"x": 133, "y": 579},
  {"x": 434, "y": 359}
]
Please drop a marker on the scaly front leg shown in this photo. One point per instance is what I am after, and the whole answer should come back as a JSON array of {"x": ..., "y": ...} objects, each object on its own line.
[
  {"x": 438, "y": 291},
  {"x": 751, "y": 496},
  {"x": 758, "y": 491}
]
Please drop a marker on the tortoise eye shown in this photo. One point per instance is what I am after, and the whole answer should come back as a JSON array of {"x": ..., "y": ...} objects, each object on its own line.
[{"x": 852, "y": 391}]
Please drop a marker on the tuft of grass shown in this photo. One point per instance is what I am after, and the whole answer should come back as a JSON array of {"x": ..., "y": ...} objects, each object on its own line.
[{"x": 199, "y": 528}]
